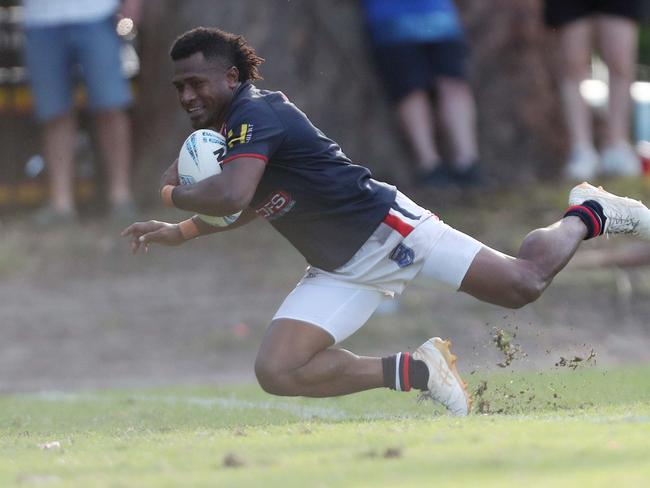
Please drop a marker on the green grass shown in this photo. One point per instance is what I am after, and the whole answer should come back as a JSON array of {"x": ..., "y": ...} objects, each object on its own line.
[{"x": 588, "y": 427}]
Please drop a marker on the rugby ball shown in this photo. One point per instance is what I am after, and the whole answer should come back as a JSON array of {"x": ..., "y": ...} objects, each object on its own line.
[{"x": 199, "y": 158}]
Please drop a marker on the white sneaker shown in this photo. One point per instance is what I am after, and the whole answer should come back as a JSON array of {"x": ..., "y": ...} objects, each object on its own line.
[
  {"x": 620, "y": 160},
  {"x": 445, "y": 384},
  {"x": 624, "y": 215},
  {"x": 582, "y": 164}
]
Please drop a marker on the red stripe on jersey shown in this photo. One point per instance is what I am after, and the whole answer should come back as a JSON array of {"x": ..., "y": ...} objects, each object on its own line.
[
  {"x": 406, "y": 386},
  {"x": 398, "y": 224},
  {"x": 236, "y": 156}
]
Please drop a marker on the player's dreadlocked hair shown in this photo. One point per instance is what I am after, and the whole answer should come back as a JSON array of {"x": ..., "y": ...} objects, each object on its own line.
[{"x": 215, "y": 43}]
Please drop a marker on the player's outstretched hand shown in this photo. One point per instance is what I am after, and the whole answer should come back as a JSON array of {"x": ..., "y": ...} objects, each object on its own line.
[
  {"x": 143, "y": 233},
  {"x": 170, "y": 176}
]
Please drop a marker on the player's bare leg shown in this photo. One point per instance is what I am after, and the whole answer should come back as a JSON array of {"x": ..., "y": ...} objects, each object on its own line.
[
  {"x": 511, "y": 282},
  {"x": 294, "y": 359}
]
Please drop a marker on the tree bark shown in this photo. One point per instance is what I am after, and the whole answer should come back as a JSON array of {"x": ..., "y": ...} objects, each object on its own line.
[{"x": 316, "y": 53}]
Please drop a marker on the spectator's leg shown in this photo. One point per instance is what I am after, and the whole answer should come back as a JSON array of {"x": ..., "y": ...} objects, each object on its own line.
[
  {"x": 59, "y": 141},
  {"x": 114, "y": 134},
  {"x": 110, "y": 95},
  {"x": 575, "y": 44},
  {"x": 48, "y": 60},
  {"x": 618, "y": 46},
  {"x": 458, "y": 116},
  {"x": 416, "y": 119}
]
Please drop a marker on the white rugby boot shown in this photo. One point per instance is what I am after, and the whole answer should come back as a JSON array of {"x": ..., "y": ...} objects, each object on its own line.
[
  {"x": 623, "y": 215},
  {"x": 445, "y": 384}
]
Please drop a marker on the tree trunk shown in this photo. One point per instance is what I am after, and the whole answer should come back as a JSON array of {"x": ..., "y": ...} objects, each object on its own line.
[{"x": 317, "y": 55}]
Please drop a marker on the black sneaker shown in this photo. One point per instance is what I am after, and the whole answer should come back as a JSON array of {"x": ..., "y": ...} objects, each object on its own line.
[
  {"x": 472, "y": 176},
  {"x": 49, "y": 216},
  {"x": 122, "y": 213},
  {"x": 440, "y": 176}
]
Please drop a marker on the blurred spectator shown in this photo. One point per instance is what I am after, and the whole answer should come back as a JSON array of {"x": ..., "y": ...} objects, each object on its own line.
[
  {"x": 420, "y": 46},
  {"x": 615, "y": 24},
  {"x": 63, "y": 36}
]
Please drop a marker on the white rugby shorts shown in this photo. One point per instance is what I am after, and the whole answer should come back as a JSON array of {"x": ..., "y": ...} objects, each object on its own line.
[{"x": 410, "y": 240}]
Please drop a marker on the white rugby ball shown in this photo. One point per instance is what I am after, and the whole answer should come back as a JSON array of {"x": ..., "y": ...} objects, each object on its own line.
[{"x": 200, "y": 157}]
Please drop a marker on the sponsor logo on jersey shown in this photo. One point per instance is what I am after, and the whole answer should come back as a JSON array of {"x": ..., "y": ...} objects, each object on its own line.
[
  {"x": 240, "y": 135},
  {"x": 276, "y": 205}
]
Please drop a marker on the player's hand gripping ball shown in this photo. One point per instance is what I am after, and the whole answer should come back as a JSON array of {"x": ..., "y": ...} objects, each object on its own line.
[{"x": 200, "y": 157}]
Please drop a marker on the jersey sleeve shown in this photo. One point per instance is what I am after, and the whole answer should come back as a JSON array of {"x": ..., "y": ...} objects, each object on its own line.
[{"x": 253, "y": 130}]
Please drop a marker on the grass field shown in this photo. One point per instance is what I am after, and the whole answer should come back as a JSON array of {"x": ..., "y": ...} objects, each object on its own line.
[{"x": 588, "y": 427}]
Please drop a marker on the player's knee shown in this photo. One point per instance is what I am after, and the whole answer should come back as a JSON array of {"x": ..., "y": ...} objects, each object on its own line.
[
  {"x": 525, "y": 294},
  {"x": 273, "y": 377},
  {"x": 527, "y": 287},
  {"x": 267, "y": 376}
]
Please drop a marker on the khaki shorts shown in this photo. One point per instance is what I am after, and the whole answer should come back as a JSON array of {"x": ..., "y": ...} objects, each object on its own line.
[{"x": 410, "y": 240}]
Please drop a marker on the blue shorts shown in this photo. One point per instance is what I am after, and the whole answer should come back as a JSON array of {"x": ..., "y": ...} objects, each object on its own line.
[
  {"x": 407, "y": 67},
  {"x": 58, "y": 56}
]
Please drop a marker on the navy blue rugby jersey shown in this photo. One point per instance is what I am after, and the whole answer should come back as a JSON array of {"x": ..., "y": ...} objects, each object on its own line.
[{"x": 310, "y": 191}]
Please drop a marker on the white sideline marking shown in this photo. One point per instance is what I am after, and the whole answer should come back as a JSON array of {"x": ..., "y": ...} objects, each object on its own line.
[
  {"x": 309, "y": 412},
  {"x": 301, "y": 411}
]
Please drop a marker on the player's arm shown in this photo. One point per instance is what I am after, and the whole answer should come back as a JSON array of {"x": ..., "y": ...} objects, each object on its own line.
[
  {"x": 168, "y": 234},
  {"x": 204, "y": 228},
  {"x": 224, "y": 194}
]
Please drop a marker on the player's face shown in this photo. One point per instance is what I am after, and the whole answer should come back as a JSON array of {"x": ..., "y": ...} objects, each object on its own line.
[{"x": 205, "y": 89}]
